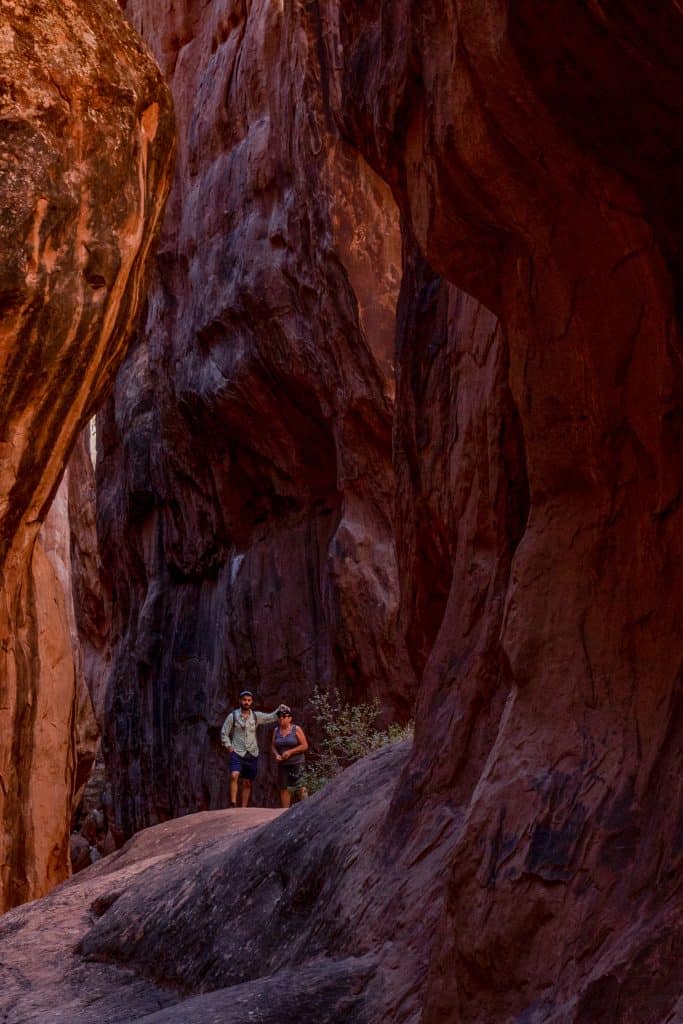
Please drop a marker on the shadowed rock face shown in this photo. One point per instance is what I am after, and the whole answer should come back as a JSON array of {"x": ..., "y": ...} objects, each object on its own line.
[
  {"x": 92, "y": 588},
  {"x": 520, "y": 173},
  {"x": 245, "y": 483},
  {"x": 85, "y": 147}
]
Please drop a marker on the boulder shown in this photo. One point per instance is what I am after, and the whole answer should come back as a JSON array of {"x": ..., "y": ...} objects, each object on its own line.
[{"x": 79, "y": 853}]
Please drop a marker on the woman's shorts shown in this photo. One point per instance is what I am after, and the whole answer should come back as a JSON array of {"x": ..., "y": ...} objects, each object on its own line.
[
  {"x": 291, "y": 776},
  {"x": 246, "y": 765}
]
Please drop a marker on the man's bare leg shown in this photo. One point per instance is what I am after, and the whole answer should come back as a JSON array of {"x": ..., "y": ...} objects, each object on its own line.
[
  {"x": 246, "y": 792},
  {"x": 234, "y": 779}
]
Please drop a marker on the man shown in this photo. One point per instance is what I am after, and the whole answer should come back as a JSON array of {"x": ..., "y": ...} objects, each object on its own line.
[{"x": 238, "y": 736}]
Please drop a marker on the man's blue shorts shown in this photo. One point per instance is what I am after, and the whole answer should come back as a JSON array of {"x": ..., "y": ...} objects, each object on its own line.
[{"x": 246, "y": 765}]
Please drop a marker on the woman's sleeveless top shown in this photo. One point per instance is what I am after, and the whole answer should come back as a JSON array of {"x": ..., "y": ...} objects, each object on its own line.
[{"x": 288, "y": 742}]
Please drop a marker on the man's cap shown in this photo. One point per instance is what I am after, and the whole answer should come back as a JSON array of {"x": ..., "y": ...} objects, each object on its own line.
[{"x": 246, "y": 693}]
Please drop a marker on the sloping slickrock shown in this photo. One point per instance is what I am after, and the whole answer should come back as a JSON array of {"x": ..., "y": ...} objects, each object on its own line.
[
  {"x": 245, "y": 484},
  {"x": 85, "y": 150},
  {"x": 42, "y": 976},
  {"x": 321, "y": 993},
  {"x": 226, "y": 903}
]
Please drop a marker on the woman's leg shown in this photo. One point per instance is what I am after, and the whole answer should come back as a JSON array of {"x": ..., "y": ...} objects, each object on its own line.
[
  {"x": 285, "y": 798},
  {"x": 302, "y": 793}
]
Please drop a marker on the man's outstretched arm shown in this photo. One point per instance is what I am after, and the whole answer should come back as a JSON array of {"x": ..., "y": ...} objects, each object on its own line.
[{"x": 266, "y": 717}]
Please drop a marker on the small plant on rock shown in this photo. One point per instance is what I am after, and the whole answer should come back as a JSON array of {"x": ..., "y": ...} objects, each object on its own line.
[{"x": 349, "y": 732}]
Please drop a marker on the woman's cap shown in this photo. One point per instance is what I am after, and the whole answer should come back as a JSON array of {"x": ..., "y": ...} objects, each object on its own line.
[{"x": 283, "y": 710}]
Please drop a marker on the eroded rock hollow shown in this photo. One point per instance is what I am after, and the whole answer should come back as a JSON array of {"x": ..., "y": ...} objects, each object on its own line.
[{"x": 86, "y": 139}]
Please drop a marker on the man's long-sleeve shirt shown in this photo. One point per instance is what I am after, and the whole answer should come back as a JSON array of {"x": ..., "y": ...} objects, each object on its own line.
[{"x": 240, "y": 733}]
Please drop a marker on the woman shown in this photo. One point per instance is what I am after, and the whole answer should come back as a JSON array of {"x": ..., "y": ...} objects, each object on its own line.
[{"x": 289, "y": 746}]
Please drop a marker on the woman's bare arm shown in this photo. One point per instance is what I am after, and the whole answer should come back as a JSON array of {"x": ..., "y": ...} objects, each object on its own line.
[{"x": 303, "y": 742}]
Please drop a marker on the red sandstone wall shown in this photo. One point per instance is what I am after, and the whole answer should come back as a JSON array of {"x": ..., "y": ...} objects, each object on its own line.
[
  {"x": 538, "y": 462},
  {"x": 533, "y": 154},
  {"x": 85, "y": 145},
  {"x": 528, "y": 867},
  {"x": 55, "y": 539}
]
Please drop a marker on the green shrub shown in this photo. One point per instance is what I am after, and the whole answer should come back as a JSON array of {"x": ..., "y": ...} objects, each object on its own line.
[{"x": 348, "y": 733}]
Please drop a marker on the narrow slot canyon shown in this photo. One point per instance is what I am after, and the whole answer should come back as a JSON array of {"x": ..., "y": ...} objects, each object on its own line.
[{"x": 341, "y": 355}]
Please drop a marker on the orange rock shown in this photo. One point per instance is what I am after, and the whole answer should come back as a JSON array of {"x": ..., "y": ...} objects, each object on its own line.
[{"x": 85, "y": 150}]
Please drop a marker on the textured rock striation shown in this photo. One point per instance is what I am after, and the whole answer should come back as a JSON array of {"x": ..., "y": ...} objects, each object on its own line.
[
  {"x": 85, "y": 149},
  {"x": 245, "y": 481},
  {"x": 91, "y": 826},
  {"x": 91, "y": 586}
]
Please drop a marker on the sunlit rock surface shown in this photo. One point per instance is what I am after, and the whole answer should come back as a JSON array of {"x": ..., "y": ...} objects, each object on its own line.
[
  {"x": 55, "y": 538},
  {"x": 85, "y": 149}
]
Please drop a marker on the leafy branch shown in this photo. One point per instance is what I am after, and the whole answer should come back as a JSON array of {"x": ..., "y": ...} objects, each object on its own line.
[{"x": 349, "y": 732}]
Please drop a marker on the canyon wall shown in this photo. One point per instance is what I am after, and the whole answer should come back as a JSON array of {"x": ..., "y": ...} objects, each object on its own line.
[
  {"x": 85, "y": 149},
  {"x": 245, "y": 481},
  {"x": 534, "y": 155},
  {"x": 522, "y": 862},
  {"x": 537, "y": 465},
  {"x": 55, "y": 540}
]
